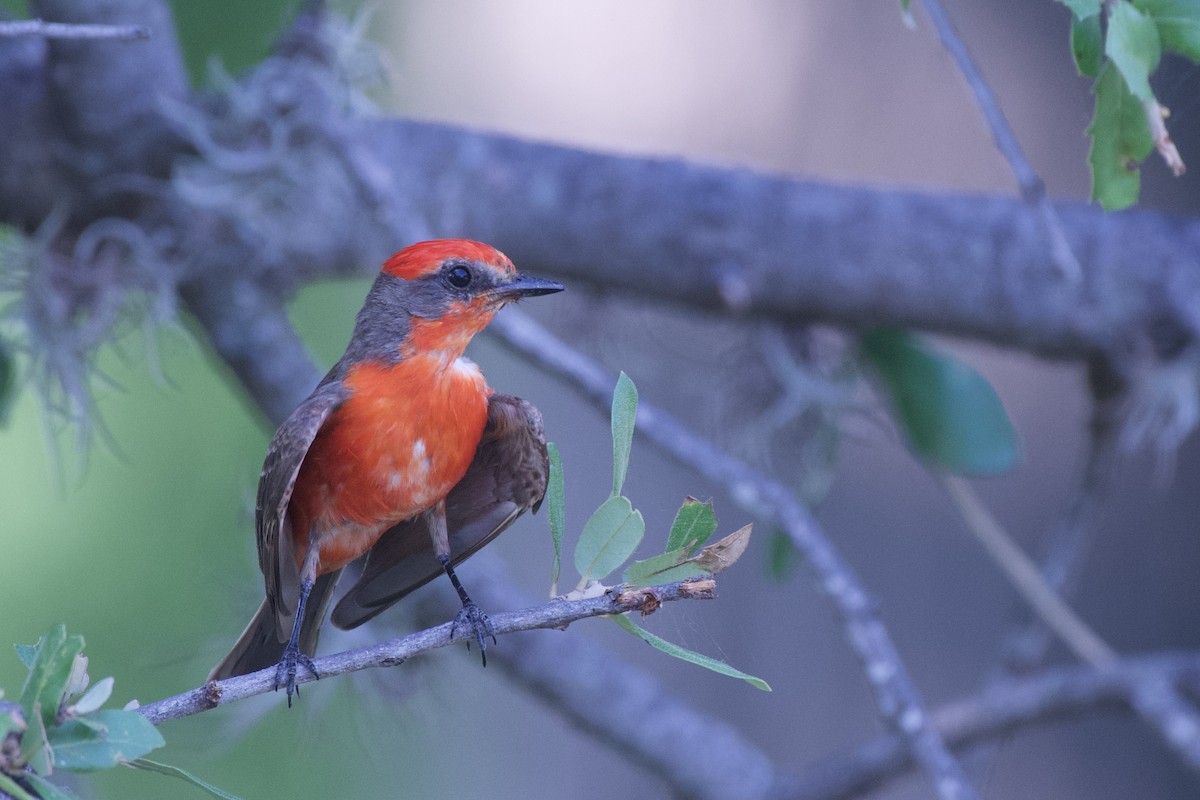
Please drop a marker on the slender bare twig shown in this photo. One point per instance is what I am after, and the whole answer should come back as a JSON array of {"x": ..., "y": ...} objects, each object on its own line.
[
  {"x": 896, "y": 697},
  {"x": 1008, "y": 706},
  {"x": 1031, "y": 185},
  {"x": 555, "y": 614},
  {"x": 1168, "y": 712},
  {"x": 64, "y": 30},
  {"x": 1064, "y": 551},
  {"x": 1066, "y": 543},
  {"x": 1023, "y": 573}
]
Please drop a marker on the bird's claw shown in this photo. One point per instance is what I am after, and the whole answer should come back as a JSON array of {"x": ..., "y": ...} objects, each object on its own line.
[
  {"x": 471, "y": 616},
  {"x": 285, "y": 671}
]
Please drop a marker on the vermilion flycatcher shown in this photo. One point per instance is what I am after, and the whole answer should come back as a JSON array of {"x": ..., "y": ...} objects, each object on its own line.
[{"x": 402, "y": 453}]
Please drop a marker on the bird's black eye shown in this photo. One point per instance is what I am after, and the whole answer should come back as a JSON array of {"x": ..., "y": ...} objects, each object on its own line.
[{"x": 459, "y": 277}]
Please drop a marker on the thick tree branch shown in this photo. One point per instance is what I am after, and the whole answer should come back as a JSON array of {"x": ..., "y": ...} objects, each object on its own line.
[
  {"x": 555, "y": 614},
  {"x": 665, "y": 230},
  {"x": 107, "y": 99},
  {"x": 799, "y": 251}
]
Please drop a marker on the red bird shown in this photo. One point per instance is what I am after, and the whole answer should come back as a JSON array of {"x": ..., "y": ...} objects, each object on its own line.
[{"x": 402, "y": 453}]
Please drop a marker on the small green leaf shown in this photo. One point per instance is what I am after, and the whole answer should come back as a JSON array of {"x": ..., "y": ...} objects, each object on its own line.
[
  {"x": 1133, "y": 46},
  {"x": 1087, "y": 44},
  {"x": 1082, "y": 8},
  {"x": 95, "y": 697},
  {"x": 688, "y": 655},
  {"x": 1178, "y": 23},
  {"x": 47, "y": 790},
  {"x": 554, "y": 499},
  {"x": 668, "y": 567},
  {"x": 782, "y": 556},
  {"x": 52, "y": 669},
  {"x": 610, "y": 536},
  {"x": 694, "y": 524},
  {"x": 624, "y": 414},
  {"x": 182, "y": 774},
  {"x": 1120, "y": 139},
  {"x": 950, "y": 414},
  {"x": 127, "y": 735},
  {"x": 27, "y": 653}
]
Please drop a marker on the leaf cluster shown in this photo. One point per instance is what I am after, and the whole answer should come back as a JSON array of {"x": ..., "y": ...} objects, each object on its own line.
[
  {"x": 615, "y": 529},
  {"x": 1119, "y": 44},
  {"x": 60, "y": 724}
]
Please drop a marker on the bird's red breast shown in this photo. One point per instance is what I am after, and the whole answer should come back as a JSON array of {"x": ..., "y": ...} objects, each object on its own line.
[
  {"x": 401, "y": 440},
  {"x": 408, "y": 429}
]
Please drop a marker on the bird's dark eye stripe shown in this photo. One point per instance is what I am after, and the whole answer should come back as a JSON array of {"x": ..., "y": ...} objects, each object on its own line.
[{"x": 459, "y": 276}]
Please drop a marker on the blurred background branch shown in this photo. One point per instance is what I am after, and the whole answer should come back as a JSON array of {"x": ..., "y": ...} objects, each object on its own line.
[
  {"x": 57, "y": 30},
  {"x": 1038, "y": 698}
]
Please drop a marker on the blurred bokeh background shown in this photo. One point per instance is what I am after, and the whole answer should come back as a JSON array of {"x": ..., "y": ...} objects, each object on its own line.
[{"x": 144, "y": 542}]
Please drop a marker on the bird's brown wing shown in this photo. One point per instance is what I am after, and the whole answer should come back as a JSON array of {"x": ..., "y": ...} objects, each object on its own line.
[
  {"x": 506, "y": 478},
  {"x": 276, "y": 551}
]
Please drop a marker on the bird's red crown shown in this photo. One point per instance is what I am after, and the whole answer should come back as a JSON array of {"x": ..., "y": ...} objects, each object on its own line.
[{"x": 424, "y": 258}]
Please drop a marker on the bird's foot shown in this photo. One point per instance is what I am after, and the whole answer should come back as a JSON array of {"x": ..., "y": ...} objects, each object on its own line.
[
  {"x": 472, "y": 617},
  {"x": 285, "y": 671}
]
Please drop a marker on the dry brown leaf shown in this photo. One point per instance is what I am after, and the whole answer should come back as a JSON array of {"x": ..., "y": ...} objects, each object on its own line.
[{"x": 722, "y": 554}]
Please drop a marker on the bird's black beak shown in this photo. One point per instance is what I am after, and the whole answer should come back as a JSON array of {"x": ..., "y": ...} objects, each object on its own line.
[{"x": 526, "y": 286}]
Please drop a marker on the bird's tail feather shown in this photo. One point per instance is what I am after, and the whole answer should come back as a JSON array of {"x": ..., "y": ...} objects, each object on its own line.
[{"x": 259, "y": 646}]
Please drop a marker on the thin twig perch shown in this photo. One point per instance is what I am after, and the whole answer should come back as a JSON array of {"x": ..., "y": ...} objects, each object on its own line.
[{"x": 556, "y": 614}]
